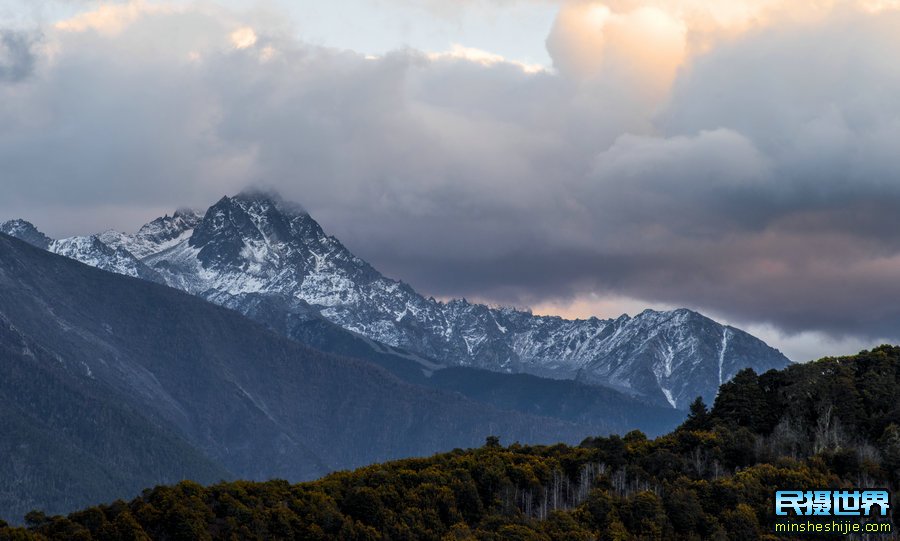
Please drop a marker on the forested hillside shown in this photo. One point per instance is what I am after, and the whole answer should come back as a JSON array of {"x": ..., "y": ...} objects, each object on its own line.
[{"x": 827, "y": 424}]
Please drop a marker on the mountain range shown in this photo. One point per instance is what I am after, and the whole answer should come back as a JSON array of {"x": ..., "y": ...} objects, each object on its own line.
[
  {"x": 270, "y": 260},
  {"x": 244, "y": 342},
  {"x": 113, "y": 384}
]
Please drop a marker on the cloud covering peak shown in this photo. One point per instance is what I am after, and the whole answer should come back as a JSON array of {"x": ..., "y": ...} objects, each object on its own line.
[{"x": 738, "y": 157}]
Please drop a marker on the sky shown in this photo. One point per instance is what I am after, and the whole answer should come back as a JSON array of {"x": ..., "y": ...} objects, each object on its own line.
[{"x": 737, "y": 157}]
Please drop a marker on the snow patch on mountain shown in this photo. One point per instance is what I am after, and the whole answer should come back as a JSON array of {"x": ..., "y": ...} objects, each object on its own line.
[
  {"x": 156, "y": 236},
  {"x": 90, "y": 250}
]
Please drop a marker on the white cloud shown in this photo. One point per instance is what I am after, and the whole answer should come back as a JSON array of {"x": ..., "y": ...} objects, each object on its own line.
[
  {"x": 112, "y": 19},
  {"x": 243, "y": 37},
  {"x": 646, "y": 43},
  {"x": 484, "y": 58}
]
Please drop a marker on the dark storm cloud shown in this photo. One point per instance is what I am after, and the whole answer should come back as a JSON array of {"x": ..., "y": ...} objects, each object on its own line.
[
  {"x": 764, "y": 187},
  {"x": 17, "y": 57}
]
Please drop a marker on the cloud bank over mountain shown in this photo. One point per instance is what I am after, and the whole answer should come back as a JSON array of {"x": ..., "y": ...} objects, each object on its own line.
[{"x": 739, "y": 158}]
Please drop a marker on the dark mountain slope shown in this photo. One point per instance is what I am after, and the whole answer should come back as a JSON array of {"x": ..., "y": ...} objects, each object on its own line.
[
  {"x": 258, "y": 404},
  {"x": 609, "y": 411},
  {"x": 602, "y": 409},
  {"x": 65, "y": 442}
]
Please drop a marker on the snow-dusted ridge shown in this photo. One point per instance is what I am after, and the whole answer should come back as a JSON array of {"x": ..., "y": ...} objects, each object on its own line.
[
  {"x": 89, "y": 250},
  {"x": 157, "y": 235},
  {"x": 255, "y": 243},
  {"x": 25, "y": 231}
]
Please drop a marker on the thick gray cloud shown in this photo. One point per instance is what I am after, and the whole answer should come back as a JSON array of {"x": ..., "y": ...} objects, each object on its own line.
[
  {"x": 17, "y": 57},
  {"x": 757, "y": 178}
]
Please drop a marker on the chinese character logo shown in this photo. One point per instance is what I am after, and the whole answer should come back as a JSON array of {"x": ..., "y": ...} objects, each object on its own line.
[{"x": 842, "y": 503}]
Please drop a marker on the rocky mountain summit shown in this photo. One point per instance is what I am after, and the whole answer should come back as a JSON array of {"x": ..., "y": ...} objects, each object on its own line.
[{"x": 257, "y": 245}]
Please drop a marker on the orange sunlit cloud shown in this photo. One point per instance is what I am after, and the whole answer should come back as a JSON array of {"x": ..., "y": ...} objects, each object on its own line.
[{"x": 650, "y": 40}]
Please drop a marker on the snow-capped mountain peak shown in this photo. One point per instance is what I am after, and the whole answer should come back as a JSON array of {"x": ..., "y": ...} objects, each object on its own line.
[
  {"x": 26, "y": 231},
  {"x": 255, "y": 244}
]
